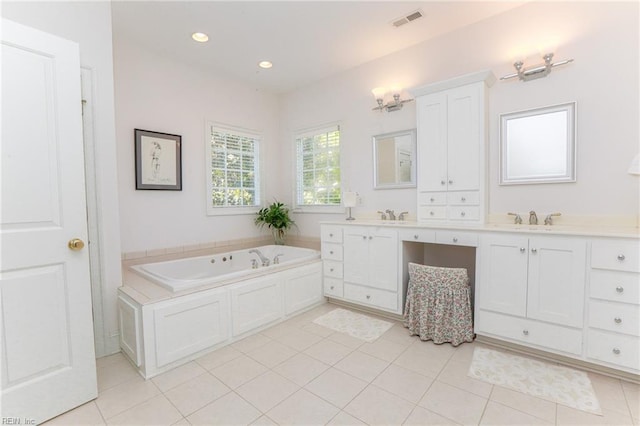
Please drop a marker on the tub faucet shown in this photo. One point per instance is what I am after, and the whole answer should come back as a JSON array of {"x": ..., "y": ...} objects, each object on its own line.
[
  {"x": 533, "y": 218},
  {"x": 392, "y": 215},
  {"x": 265, "y": 261},
  {"x": 276, "y": 259}
]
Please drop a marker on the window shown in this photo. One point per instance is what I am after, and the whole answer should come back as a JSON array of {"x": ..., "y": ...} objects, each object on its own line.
[
  {"x": 318, "y": 167},
  {"x": 233, "y": 170}
]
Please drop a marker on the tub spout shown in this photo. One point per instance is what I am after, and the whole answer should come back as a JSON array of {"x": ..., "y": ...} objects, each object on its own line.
[
  {"x": 276, "y": 259},
  {"x": 265, "y": 261}
]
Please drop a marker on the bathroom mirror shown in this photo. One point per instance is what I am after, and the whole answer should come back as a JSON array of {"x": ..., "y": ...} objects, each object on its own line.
[
  {"x": 394, "y": 160},
  {"x": 538, "y": 145}
]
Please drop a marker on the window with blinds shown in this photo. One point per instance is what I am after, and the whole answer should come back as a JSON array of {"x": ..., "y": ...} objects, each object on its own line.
[
  {"x": 318, "y": 167},
  {"x": 233, "y": 168}
]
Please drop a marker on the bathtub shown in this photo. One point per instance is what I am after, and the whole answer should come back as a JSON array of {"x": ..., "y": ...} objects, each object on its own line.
[{"x": 184, "y": 274}]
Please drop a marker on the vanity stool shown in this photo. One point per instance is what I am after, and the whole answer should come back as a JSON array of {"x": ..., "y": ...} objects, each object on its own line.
[{"x": 438, "y": 304}]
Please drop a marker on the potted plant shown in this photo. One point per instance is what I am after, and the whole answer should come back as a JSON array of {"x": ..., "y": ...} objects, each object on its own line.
[{"x": 276, "y": 218}]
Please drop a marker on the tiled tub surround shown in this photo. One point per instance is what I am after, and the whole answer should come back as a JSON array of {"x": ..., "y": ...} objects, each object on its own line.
[{"x": 571, "y": 293}]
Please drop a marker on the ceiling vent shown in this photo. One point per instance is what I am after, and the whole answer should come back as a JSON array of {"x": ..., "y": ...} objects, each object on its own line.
[{"x": 406, "y": 19}]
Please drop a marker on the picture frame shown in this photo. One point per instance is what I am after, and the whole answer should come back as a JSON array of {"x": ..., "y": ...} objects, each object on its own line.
[{"x": 158, "y": 158}]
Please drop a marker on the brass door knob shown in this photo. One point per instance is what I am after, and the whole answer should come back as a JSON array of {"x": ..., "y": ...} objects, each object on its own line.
[{"x": 76, "y": 244}]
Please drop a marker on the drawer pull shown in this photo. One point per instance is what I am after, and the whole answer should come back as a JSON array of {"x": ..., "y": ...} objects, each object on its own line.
[
  {"x": 431, "y": 213},
  {"x": 616, "y": 351},
  {"x": 368, "y": 297},
  {"x": 450, "y": 181},
  {"x": 621, "y": 257},
  {"x": 332, "y": 287},
  {"x": 525, "y": 332},
  {"x": 331, "y": 252},
  {"x": 620, "y": 289},
  {"x": 442, "y": 182},
  {"x": 370, "y": 237},
  {"x": 534, "y": 250},
  {"x": 617, "y": 320},
  {"x": 522, "y": 249},
  {"x": 331, "y": 270},
  {"x": 415, "y": 237},
  {"x": 364, "y": 237},
  {"x": 463, "y": 199},
  {"x": 331, "y": 235},
  {"x": 462, "y": 214},
  {"x": 455, "y": 239},
  {"x": 432, "y": 199}
]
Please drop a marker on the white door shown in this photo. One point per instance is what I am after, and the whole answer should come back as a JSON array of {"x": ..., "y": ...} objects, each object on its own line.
[{"x": 48, "y": 360}]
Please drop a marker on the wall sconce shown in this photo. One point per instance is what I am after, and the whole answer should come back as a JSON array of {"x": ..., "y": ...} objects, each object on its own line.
[
  {"x": 542, "y": 70},
  {"x": 395, "y": 105}
]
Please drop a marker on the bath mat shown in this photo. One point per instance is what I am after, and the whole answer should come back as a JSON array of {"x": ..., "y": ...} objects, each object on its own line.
[
  {"x": 552, "y": 382},
  {"x": 356, "y": 325}
]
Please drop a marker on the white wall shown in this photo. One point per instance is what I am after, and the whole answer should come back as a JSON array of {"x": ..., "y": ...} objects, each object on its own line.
[
  {"x": 89, "y": 24},
  {"x": 601, "y": 37},
  {"x": 158, "y": 94}
]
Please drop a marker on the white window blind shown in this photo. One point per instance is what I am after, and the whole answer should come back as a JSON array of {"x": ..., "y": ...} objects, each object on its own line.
[{"x": 318, "y": 167}]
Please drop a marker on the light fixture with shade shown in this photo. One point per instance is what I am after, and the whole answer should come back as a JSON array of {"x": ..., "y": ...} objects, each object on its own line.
[
  {"x": 350, "y": 199},
  {"x": 634, "y": 167},
  {"x": 396, "y": 104},
  {"x": 538, "y": 71}
]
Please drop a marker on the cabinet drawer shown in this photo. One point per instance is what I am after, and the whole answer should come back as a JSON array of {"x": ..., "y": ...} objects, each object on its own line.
[
  {"x": 331, "y": 234},
  {"x": 331, "y": 252},
  {"x": 615, "y": 286},
  {"x": 432, "y": 198},
  {"x": 372, "y": 297},
  {"x": 430, "y": 213},
  {"x": 464, "y": 213},
  {"x": 418, "y": 235},
  {"x": 619, "y": 256},
  {"x": 457, "y": 238},
  {"x": 530, "y": 332},
  {"x": 333, "y": 287},
  {"x": 616, "y": 317},
  {"x": 463, "y": 198},
  {"x": 331, "y": 268},
  {"x": 614, "y": 348}
]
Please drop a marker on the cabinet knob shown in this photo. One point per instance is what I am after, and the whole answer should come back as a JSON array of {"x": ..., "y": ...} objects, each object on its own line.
[
  {"x": 620, "y": 289},
  {"x": 332, "y": 287},
  {"x": 462, "y": 214},
  {"x": 522, "y": 249},
  {"x": 463, "y": 199},
  {"x": 431, "y": 213},
  {"x": 455, "y": 239},
  {"x": 525, "y": 332},
  {"x": 331, "y": 270},
  {"x": 621, "y": 257},
  {"x": 331, "y": 252},
  {"x": 450, "y": 181},
  {"x": 534, "y": 250},
  {"x": 442, "y": 182},
  {"x": 370, "y": 237},
  {"x": 616, "y": 351},
  {"x": 415, "y": 237},
  {"x": 368, "y": 297},
  {"x": 331, "y": 235},
  {"x": 364, "y": 237},
  {"x": 617, "y": 320},
  {"x": 432, "y": 199}
]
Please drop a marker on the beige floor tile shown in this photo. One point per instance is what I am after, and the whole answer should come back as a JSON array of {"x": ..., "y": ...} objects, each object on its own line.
[
  {"x": 336, "y": 387},
  {"x": 376, "y": 406},
  {"x": 272, "y": 353},
  {"x": 609, "y": 392},
  {"x": 328, "y": 351},
  {"x": 238, "y": 371},
  {"x": 632, "y": 394},
  {"x": 267, "y": 390},
  {"x": 303, "y": 408},
  {"x": 264, "y": 421},
  {"x": 421, "y": 416},
  {"x": 299, "y": 339},
  {"x": 157, "y": 411},
  {"x": 182, "y": 422},
  {"x": 404, "y": 383},
  {"x": 421, "y": 361},
  {"x": 301, "y": 369},
  {"x": 178, "y": 375},
  {"x": 227, "y": 410},
  {"x": 346, "y": 340},
  {"x": 106, "y": 360},
  {"x": 250, "y": 343},
  {"x": 498, "y": 414},
  {"x": 124, "y": 396},
  {"x": 279, "y": 330},
  {"x": 344, "y": 419},
  {"x": 115, "y": 371},
  {"x": 464, "y": 352},
  {"x": 453, "y": 403},
  {"x": 399, "y": 334},
  {"x": 386, "y": 350},
  {"x": 362, "y": 366},
  {"x": 318, "y": 329},
  {"x": 570, "y": 416},
  {"x": 537, "y": 407},
  {"x": 218, "y": 357},
  {"x": 455, "y": 374},
  {"x": 84, "y": 415},
  {"x": 196, "y": 393}
]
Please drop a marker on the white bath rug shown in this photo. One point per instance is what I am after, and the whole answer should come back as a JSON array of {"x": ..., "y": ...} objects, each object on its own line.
[
  {"x": 552, "y": 382},
  {"x": 356, "y": 325}
]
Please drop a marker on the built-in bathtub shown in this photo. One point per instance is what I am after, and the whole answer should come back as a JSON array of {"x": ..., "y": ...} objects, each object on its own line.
[{"x": 184, "y": 274}]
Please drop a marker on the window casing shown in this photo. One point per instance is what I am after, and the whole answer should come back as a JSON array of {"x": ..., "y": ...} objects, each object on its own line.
[
  {"x": 233, "y": 170},
  {"x": 318, "y": 181}
]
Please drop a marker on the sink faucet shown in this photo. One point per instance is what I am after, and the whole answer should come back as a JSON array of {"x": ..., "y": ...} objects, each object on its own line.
[
  {"x": 549, "y": 219},
  {"x": 392, "y": 215},
  {"x": 383, "y": 216},
  {"x": 265, "y": 261},
  {"x": 518, "y": 219},
  {"x": 401, "y": 215},
  {"x": 533, "y": 218}
]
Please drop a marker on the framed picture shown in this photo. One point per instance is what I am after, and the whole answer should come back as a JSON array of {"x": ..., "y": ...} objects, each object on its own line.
[{"x": 158, "y": 160}]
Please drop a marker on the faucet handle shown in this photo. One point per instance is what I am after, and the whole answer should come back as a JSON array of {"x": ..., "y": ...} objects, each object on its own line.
[
  {"x": 401, "y": 215},
  {"x": 549, "y": 219},
  {"x": 276, "y": 259},
  {"x": 517, "y": 219},
  {"x": 383, "y": 216}
]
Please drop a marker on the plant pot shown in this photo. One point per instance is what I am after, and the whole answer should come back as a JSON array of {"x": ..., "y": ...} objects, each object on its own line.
[{"x": 279, "y": 236}]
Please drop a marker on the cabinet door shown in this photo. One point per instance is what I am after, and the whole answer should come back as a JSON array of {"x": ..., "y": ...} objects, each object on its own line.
[
  {"x": 432, "y": 142},
  {"x": 503, "y": 288},
  {"x": 303, "y": 288},
  {"x": 256, "y": 303},
  {"x": 356, "y": 254},
  {"x": 383, "y": 259},
  {"x": 556, "y": 280},
  {"x": 464, "y": 132}
]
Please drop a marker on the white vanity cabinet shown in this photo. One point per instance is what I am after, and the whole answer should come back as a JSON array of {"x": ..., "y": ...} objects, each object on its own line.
[{"x": 532, "y": 290}]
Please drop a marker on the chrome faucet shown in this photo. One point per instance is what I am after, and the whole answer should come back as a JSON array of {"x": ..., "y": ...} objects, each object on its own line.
[
  {"x": 401, "y": 215},
  {"x": 392, "y": 215},
  {"x": 265, "y": 261},
  {"x": 533, "y": 218},
  {"x": 549, "y": 219},
  {"x": 383, "y": 216},
  {"x": 276, "y": 259},
  {"x": 518, "y": 219}
]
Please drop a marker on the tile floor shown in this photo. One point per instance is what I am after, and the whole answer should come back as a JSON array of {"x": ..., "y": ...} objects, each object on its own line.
[{"x": 300, "y": 373}]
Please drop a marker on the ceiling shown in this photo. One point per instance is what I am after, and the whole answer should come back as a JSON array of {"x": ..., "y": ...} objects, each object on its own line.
[{"x": 305, "y": 40}]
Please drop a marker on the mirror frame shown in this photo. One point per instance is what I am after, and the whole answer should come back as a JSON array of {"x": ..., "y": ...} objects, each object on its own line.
[
  {"x": 412, "y": 183},
  {"x": 570, "y": 143}
]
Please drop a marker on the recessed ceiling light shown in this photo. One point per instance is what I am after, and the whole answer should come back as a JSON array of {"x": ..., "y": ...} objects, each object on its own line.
[
  {"x": 265, "y": 64},
  {"x": 201, "y": 37}
]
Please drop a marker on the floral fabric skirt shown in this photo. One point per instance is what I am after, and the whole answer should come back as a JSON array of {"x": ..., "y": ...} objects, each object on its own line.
[{"x": 438, "y": 304}]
